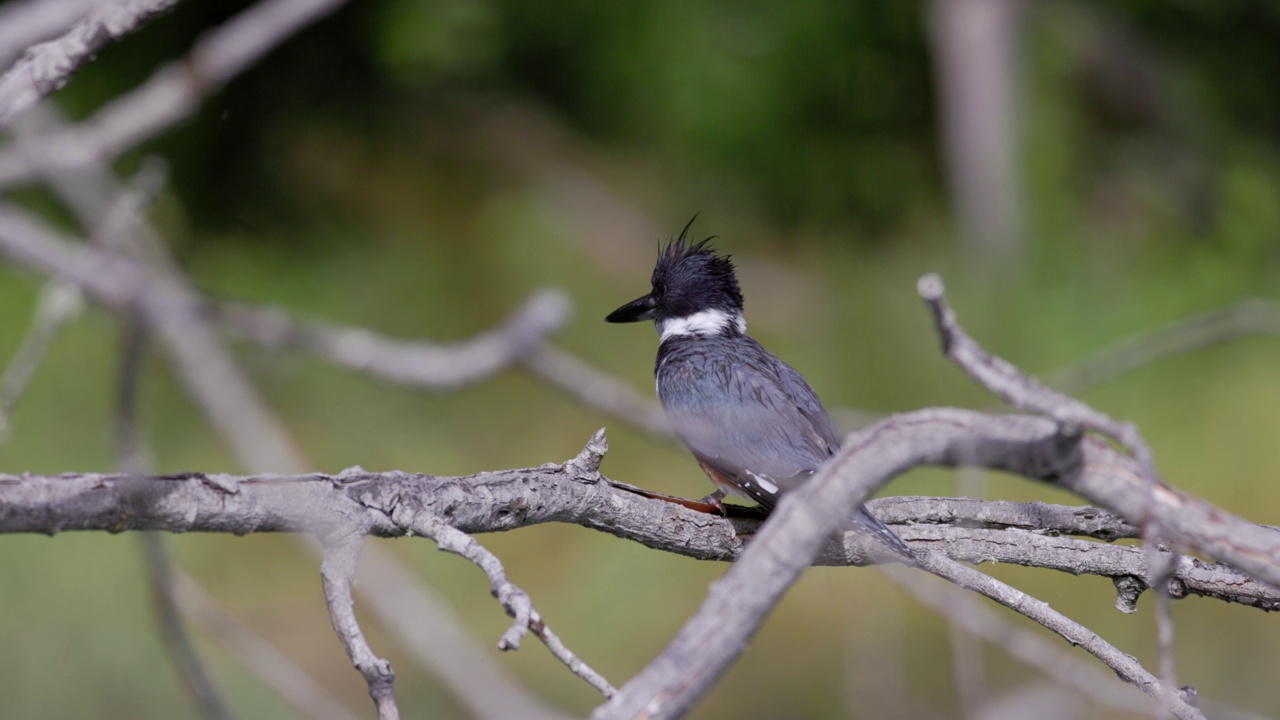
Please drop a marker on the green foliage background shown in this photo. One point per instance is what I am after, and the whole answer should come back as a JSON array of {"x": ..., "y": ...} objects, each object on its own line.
[{"x": 397, "y": 167}]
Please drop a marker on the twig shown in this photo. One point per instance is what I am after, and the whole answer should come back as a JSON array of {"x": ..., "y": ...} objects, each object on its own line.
[
  {"x": 520, "y": 339},
  {"x": 798, "y": 528},
  {"x": 308, "y": 696},
  {"x": 188, "y": 666},
  {"x": 234, "y": 408},
  {"x": 171, "y": 94},
  {"x": 1123, "y": 664},
  {"x": 514, "y": 600},
  {"x": 48, "y": 66},
  {"x": 338, "y": 572},
  {"x": 1160, "y": 569},
  {"x": 435, "y": 637},
  {"x": 1020, "y": 390},
  {"x": 438, "y": 367},
  {"x": 1015, "y": 387},
  {"x": 26, "y": 22},
  {"x": 597, "y": 389},
  {"x": 1248, "y": 317},
  {"x": 195, "y": 677},
  {"x": 59, "y": 302},
  {"x": 976, "y": 618},
  {"x": 1128, "y": 566}
]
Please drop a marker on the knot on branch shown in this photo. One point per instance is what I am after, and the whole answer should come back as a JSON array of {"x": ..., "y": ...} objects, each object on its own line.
[
  {"x": 585, "y": 466},
  {"x": 1128, "y": 589},
  {"x": 1061, "y": 456}
]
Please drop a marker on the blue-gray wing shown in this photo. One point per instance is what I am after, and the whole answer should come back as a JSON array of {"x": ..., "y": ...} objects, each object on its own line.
[
  {"x": 747, "y": 414},
  {"x": 753, "y": 419}
]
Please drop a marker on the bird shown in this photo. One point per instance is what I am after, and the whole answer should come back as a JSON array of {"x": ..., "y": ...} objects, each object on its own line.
[{"x": 755, "y": 426}]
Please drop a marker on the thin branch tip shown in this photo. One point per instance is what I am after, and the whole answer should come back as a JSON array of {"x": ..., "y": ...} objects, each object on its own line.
[
  {"x": 585, "y": 465},
  {"x": 930, "y": 287},
  {"x": 552, "y": 303}
]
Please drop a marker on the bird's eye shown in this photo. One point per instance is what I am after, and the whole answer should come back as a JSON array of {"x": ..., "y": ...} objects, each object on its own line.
[{"x": 659, "y": 288}]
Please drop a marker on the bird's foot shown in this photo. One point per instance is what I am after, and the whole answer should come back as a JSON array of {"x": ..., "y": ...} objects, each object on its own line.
[{"x": 714, "y": 503}]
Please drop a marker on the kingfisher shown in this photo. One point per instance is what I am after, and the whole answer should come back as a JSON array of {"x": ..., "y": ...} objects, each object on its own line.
[{"x": 756, "y": 428}]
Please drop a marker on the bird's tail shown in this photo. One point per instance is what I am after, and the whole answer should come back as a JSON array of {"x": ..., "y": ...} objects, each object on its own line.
[{"x": 871, "y": 525}]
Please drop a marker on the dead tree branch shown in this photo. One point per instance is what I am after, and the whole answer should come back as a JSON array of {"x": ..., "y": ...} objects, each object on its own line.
[
  {"x": 308, "y": 696},
  {"x": 170, "y": 307},
  {"x": 24, "y": 23},
  {"x": 59, "y": 302},
  {"x": 437, "y": 367},
  {"x": 798, "y": 528},
  {"x": 520, "y": 339},
  {"x": 974, "y": 531},
  {"x": 46, "y": 68},
  {"x": 1242, "y": 319},
  {"x": 171, "y": 94},
  {"x": 1029, "y": 647},
  {"x": 338, "y": 573}
]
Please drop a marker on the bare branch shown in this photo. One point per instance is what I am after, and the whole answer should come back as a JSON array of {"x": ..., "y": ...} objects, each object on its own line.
[
  {"x": 1135, "y": 492},
  {"x": 48, "y": 66},
  {"x": 221, "y": 390},
  {"x": 504, "y": 500},
  {"x": 59, "y": 302},
  {"x": 438, "y": 367},
  {"x": 309, "y": 697},
  {"x": 498, "y": 501},
  {"x": 26, "y": 22},
  {"x": 514, "y": 600},
  {"x": 338, "y": 572},
  {"x": 509, "y": 499},
  {"x": 1248, "y": 317},
  {"x": 1031, "y": 648},
  {"x": 133, "y": 460},
  {"x": 998, "y": 514},
  {"x": 191, "y": 671},
  {"x": 599, "y": 390},
  {"x": 1187, "y": 576},
  {"x": 1015, "y": 387},
  {"x": 436, "y": 638},
  {"x": 798, "y": 528},
  {"x": 434, "y": 367},
  {"x": 171, "y": 94},
  {"x": 1126, "y": 666}
]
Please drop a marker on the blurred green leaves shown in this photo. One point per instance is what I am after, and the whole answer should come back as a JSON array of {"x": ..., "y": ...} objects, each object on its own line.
[{"x": 429, "y": 44}]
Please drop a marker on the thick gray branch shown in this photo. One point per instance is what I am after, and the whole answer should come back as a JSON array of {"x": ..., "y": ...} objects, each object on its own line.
[
  {"x": 968, "y": 530},
  {"x": 796, "y": 533},
  {"x": 174, "y": 312},
  {"x": 1084, "y": 557},
  {"x": 1017, "y": 388}
]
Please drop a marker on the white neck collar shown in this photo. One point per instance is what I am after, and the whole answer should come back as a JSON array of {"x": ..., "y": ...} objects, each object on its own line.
[{"x": 706, "y": 322}]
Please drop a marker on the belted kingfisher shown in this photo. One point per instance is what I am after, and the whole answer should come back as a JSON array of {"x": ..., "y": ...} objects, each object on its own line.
[{"x": 755, "y": 426}]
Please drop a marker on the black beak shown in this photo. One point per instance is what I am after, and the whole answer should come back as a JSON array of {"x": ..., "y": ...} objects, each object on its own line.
[{"x": 634, "y": 311}]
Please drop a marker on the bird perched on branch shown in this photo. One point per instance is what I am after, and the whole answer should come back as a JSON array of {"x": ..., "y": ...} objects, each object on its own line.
[{"x": 755, "y": 426}]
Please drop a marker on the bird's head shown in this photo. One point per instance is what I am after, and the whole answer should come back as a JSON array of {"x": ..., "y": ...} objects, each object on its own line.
[{"x": 694, "y": 292}]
